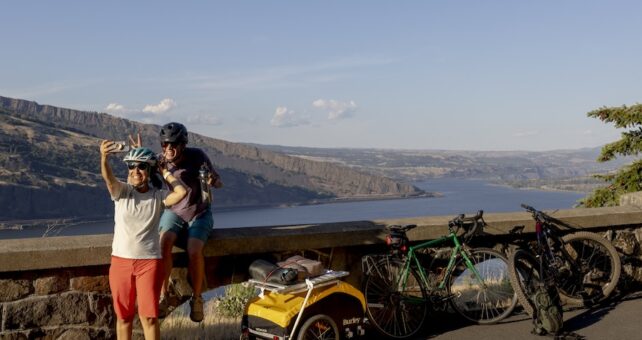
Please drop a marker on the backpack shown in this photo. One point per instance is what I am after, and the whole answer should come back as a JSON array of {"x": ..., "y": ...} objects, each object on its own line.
[{"x": 547, "y": 311}]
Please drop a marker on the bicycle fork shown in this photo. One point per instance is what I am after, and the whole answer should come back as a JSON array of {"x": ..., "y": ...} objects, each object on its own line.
[{"x": 464, "y": 253}]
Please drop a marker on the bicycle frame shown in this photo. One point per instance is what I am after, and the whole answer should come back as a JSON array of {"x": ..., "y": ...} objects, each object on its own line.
[
  {"x": 458, "y": 250},
  {"x": 550, "y": 243}
]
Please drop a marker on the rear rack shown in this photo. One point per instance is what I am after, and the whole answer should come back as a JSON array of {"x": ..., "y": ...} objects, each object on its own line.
[{"x": 329, "y": 277}]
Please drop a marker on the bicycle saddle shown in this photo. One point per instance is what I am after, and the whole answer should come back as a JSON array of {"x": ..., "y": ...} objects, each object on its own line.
[{"x": 401, "y": 228}]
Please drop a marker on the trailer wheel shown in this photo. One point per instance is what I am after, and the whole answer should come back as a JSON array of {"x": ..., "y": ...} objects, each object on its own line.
[{"x": 319, "y": 327}]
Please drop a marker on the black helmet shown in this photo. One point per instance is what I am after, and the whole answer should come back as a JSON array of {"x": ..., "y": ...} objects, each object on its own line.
[{"x": 173, "y": 133}]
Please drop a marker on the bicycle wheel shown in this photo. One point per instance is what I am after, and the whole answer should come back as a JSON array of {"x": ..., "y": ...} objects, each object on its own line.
[
  {"x": 485, "y": 299},
  {"x": 525, "y": 277},
  {"x": 594, "y": 269},
  {"x": 319, "y": 327},
  {"x": 394, "y": 309}
]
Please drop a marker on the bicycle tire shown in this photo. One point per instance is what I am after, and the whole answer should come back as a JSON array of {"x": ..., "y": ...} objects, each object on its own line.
[
  {"x": 395, "y": 312},
  {"x": 319, "y": 327},
  {"x": 596, "y": 269},
  {"x": 488, "y": 301},
  {"x": 525, "y": 277}
]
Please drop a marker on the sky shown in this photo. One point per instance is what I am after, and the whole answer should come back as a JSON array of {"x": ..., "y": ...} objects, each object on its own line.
[{"x": 453, "y": 75}]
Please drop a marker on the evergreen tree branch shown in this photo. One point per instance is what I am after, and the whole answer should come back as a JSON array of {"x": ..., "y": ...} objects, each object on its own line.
[
  {"x": 629, "y": 145},
  {"x": 622, "y": 117},
  {"x": 628, "y": 179}
]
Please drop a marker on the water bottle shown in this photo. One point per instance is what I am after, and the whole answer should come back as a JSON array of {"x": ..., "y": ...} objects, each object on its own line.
[{"x": 203, "y": 175}]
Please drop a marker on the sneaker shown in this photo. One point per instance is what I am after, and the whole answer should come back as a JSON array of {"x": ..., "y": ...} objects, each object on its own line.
[
  {"x": 163, "y": 307},
  {"x": 196, "y": 308}
]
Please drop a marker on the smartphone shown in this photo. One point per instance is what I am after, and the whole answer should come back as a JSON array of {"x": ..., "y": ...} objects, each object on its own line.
[{"x": 120, "y": 146}]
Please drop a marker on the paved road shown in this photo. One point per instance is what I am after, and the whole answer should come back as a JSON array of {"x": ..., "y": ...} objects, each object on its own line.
[{"x": 617, "y": 320}]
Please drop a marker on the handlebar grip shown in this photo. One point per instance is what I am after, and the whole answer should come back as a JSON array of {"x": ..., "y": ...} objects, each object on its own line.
[
  {"x": 528, "y": 207},
  {"x": 456, "y": 221},
  {"x": 461, "y": 218}
]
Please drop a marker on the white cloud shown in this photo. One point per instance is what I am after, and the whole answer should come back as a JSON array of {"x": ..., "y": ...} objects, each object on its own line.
[
  {"x": 287, "y": 118},
  {"x": 115, "y": 108},
  {"x": 164, "y": 106},
  {"x": 149, "y": 114},
  {"x": 335, "y": 108}
]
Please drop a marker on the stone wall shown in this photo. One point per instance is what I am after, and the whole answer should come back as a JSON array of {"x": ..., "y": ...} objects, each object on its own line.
[
  {"x": 57, "y": 287},
  {"x": 57, "y": 304}
]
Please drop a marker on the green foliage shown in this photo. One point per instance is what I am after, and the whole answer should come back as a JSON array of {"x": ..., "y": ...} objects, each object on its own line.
[
  {"x": 235, "y": 299},
  {"x": 629, "y": 178}
]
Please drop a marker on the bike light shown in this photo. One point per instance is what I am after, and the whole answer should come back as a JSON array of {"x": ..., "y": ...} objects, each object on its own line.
[
  {"x": 388, "y": 240},
  {"x": 404, "y": 248},
  {"x": 538, "y": 227}
]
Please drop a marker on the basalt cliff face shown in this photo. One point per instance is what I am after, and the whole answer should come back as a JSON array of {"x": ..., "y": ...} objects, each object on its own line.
[{"x": 49, "y": 166}]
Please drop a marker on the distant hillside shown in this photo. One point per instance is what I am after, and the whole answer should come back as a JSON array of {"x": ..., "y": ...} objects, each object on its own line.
[
  {"x": 49, "y": 166},
  {"x": 560, "y": 169}
]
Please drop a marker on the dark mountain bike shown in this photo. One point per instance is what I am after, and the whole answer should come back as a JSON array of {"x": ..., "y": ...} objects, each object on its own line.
[
  {"x": 402, "y": 284},
  {"x": 584, "y": 266}
]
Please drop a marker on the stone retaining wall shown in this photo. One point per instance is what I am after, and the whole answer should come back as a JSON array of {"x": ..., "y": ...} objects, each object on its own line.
[
  {"x": 57, "y": 288},
  {"x": 51, "y": 304}
]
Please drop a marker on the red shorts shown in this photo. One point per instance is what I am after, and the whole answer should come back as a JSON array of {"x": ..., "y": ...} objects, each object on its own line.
[{"x": 130, "y": 279}]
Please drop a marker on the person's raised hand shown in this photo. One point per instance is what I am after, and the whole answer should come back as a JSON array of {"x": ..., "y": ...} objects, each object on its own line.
[
  {"x": 106, "y": 147},
  {"x": 135, "y": 143}
]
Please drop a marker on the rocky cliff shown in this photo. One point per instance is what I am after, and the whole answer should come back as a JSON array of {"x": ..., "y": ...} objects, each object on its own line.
[{"x": 49, "y": 166}]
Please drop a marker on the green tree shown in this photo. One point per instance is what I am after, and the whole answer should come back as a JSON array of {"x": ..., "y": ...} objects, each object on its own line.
[{"x": 628, "y": 178}]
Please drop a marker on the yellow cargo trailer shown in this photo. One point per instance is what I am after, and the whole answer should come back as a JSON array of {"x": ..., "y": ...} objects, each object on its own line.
[{"x": 323, "y": 307}]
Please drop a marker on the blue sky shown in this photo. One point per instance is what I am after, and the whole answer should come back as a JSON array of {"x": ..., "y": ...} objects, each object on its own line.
[{"x": 462, "y": 75}]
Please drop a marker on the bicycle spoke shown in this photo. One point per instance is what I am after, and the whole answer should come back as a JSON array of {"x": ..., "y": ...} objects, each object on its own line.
[
  {"x": 593, "y": 270},
  {"x": 482, "y": 293},
  {"x": 396, "y": 303}
]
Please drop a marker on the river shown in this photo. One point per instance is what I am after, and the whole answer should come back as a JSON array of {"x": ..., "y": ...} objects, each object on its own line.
[{"x": 458, "y": 196}]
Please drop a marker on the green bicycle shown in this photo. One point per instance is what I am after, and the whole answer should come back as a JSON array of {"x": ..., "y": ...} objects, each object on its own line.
[{"x": 402, "y": 284}]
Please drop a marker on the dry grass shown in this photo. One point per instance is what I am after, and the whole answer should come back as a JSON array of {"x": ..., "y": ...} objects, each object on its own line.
[{"x": 214, "y": 327}]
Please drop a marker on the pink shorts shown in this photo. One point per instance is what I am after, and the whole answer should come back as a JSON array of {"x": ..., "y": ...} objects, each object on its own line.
[{"x": 135, "y": 280}]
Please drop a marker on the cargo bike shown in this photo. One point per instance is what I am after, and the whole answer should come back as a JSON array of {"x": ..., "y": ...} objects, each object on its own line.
[{"x": 322, "y": 307}]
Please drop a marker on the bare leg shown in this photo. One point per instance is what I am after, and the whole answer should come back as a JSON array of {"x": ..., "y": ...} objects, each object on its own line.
[
  {"x": 167, "y": 241},
  {"x": 151, "y": 328},
  {"x": 123, "y": 329},
  {"x": 196, "y": 264}
]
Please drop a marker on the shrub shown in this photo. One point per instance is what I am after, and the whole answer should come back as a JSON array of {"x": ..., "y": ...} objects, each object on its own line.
[{"x": 235, "y": 299}]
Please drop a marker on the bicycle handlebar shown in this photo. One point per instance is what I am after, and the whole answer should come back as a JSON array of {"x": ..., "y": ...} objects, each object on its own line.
[
  {"x": 461, "y": 219},
  {"x": 471, "y": 225},
  {"x": 537, "y": 215},
  {"x": 528, "y": 208}
]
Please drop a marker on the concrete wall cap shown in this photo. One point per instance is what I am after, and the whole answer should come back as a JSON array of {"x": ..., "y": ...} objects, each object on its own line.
[{"x": 80, "y": 251}]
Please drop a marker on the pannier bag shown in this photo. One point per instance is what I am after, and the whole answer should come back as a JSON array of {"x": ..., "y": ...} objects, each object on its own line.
[
  {"x": 300, "y": 263},
  {"x": 265, "y": 271}
]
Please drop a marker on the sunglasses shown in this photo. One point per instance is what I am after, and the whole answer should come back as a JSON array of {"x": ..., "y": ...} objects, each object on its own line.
[
  {"x": 174, "y": 145},
  {"x": 140, "y": 166}
]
